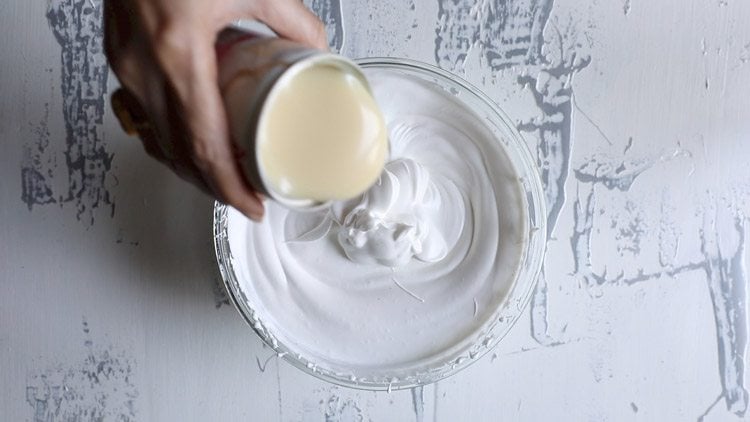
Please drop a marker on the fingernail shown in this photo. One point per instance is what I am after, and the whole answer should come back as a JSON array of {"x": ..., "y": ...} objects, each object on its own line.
[{"x": 123, "y": 114}]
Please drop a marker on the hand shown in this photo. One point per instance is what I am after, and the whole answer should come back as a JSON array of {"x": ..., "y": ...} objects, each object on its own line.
[{"x": 162, "y": 51}]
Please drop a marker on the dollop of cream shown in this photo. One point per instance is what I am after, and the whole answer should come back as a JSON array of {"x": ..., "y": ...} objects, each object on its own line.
[{"x": 401, "y": 217}]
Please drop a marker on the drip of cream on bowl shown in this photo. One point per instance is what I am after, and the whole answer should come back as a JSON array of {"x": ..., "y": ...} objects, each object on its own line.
[{"x": 408, "y": 277}]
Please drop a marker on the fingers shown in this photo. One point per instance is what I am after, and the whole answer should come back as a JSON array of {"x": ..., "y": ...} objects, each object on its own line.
[
  {"x": 191, "y": 134},
  {"x": 134, "y": 121},
  {"x": 292, "y": 19},
  {"x": 166, "y": 61},
  {"x": 228, "y": 186},
  {"x": 199, "y": 119}
]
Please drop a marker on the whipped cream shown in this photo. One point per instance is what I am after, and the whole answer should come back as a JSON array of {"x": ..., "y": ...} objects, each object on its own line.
[
  {"x": 408, "y": 275},
  {"x": 402, "y": 216}
]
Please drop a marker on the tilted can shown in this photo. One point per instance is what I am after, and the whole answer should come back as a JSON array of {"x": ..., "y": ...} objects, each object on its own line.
[{"x": 250, "y": 67}]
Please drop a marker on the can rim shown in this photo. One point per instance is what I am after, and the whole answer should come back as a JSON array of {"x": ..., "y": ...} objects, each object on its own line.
[{"x": 320, "y": 58}]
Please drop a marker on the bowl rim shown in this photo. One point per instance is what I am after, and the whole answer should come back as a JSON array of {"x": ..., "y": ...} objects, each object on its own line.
[{"x": 529, "y": 269}]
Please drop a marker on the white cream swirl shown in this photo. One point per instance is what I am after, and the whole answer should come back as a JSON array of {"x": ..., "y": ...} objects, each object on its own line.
[
  {"x": 445, "y": 226},
  {"x": 401, "y": 217}
]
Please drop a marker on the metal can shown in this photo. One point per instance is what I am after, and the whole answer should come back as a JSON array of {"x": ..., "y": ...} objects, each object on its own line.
[{"x": 250, "y": 66}]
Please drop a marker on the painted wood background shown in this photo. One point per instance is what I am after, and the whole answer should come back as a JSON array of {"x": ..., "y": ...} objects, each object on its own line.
[{"x": 638, "y": 111}]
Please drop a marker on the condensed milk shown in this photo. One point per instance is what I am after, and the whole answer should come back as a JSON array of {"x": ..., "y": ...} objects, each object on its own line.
[{"x": 304, "y": 121}]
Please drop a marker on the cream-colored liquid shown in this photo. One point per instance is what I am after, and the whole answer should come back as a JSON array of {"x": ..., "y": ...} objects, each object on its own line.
[{"x": 321, "y": 136}]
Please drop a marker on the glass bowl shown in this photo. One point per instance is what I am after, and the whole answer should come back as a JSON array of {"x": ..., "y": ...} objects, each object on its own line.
[{"x": 494, "y": 328}]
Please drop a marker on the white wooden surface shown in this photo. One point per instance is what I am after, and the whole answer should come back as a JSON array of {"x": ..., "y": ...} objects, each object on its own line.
[{"x": 639, "y": 112}]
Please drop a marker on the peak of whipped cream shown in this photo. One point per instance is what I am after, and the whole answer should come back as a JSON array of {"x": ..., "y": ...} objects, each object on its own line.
[{"x": 399, "y": 218}]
